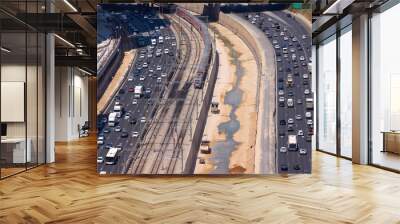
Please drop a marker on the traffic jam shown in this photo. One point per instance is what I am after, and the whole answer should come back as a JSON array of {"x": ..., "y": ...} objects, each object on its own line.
[
  {"x": 295, "y": 126},
  {"x": 125, "y": 121}
]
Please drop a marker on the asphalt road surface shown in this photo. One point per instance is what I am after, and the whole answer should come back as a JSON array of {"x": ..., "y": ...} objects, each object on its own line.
[
  {"x": 141, "y": 24},
  {"x": 292, "y": 45}
]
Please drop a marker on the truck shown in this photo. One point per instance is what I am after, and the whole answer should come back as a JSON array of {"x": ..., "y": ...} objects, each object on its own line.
[
  {"x": 118, "y": 110},
  {"x": 112, "y": 119},
  {"x": 205, "y": 145},
  {"x": 138, "y": 91},
  {"x": 111, "y": 157},
  {"x": 292, "y": 142}
]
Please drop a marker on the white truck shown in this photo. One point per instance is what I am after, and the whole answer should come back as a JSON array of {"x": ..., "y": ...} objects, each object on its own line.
[
  {"x": 118, "y": 110},
  {"x": 292, "y": 142},
  {"x": 112, "y": 119},
  {"x": 138, "y": 91},
  {"x": 111, "y": 157}
]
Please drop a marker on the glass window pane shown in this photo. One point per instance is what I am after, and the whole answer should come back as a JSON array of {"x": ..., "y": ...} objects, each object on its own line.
[
  {"x": 327, "y": 96},
  {"x": 385, "y": 84},
  {"x": 346, "y": 93}
]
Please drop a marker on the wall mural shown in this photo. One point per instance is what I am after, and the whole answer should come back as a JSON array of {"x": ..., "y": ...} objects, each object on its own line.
[{"x": 204, "y": 89}]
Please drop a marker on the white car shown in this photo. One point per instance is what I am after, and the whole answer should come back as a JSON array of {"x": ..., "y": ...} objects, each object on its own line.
[
  {"x": 290, "y": 121},
  {"x": 141, "y": 56},
  {"x": 151, "y": 70},
  {"x": 290, "y": 102},
  {"x": 167, "y": 37},
  {"x": 302, "y": 58},
  {"x": 158, "y": 68},
  {"x": 300, "y": 133},
  {"x": 163, "y": 74},
  {"x": 100, "y": 160},
  {"x": 149, "y": 55},
  {"x": 281, "y": 92},
  {"x": 303, "y": 151},
  {"x": 173, "y": 44},
  {"x": 145, "y": 65},
  {"x": 159, "y": 79},
  {"x": 103, "y": 172},
  {"x": 130, "y": 78},
  {"x": 277, "y": 46},
  {"x": 143, "y": 120},
  {"x": 298, "y": 117},
  {"x": 134, "y": 102},
  {"x": 283, "y": 149},
  {"x": 117, "y": 129},
  {"x": 306, "y": 91},
  {"x": 274, "y": 41},
  {"x": 135, "y": 134},
  {"x": 308, "y": 114},
  {"x": 305, "y": 76},
  {"x": 294, "y": 39},
  {"x": 142, "y": 78},
  {"x": 304, "y": 36},
  {"x": 166, "y": 51},
  {"x": 285, "y": 38}
]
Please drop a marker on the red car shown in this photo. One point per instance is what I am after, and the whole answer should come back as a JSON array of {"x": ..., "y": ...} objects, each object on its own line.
[{"x": 131, "y": 89}]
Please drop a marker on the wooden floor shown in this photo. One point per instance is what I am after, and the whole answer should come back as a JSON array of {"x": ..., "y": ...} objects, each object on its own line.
[{"x": 70, "y": 191}]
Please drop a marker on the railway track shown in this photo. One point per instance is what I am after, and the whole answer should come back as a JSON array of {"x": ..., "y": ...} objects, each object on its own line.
[{"x": 155, "y": 127}]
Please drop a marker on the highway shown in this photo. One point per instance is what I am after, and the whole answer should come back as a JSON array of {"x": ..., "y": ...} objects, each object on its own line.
[
  {"x": 291, "y": 63},
  {"x": 137, "y": 117}
]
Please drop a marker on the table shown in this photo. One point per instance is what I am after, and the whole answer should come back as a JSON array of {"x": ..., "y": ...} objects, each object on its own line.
[{"x": 391, "y": 141}]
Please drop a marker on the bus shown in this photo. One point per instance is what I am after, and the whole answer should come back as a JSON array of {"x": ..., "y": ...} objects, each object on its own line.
[{"x": 111, "y": 157}]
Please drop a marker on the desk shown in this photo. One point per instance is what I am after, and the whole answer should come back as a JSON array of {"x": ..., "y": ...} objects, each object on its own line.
[
  {"x": 15, "y": 148},
  {"x": 391, "y": 141}
]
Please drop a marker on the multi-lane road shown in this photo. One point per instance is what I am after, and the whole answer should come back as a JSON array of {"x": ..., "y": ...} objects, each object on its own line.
[
  {"x": 149, "y": 70},
  {"x": 292, "y": 45}
]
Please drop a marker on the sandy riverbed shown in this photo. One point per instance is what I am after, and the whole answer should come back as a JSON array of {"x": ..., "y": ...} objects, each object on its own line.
[{"x": 236, "y": 155}]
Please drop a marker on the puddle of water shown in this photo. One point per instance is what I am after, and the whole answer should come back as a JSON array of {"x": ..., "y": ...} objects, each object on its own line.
[{"x": 223, "y": 149}]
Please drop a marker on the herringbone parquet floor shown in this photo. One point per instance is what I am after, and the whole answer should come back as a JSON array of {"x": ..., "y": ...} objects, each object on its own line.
[{"x": 70, "y": 191}]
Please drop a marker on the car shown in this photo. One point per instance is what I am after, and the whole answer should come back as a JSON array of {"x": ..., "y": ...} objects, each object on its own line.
[
  {"x": 281, "y": 101},
  {"x": 284, "y": 167},
  {"x": 274, "y": 41},
  {"x": 117, "y": 129},
  {"x": 278, "y": 59},
  {"x": 127, "y": 116},
  {"x": 298, "y": 117},
  {"x": 173, "y": 44},
  {"x": 285, "y": 38},
  {"x": 131, "y": 89},
  {"x": 302, "y": 58},
  {"x": 166, "y": 51},
  {"x": 300, "y": 133},
  {"x": 142, "y": 78},
  {"x": 135, "y": 134},
  {"x": 141, "y": 56},
  {"x": 143, "y": 120},
  {"x": 158, "y": 68},
  {"x": 290, "y": 102},
  {"x": 121, "y": 91},
  {"x": 151, "y": 70},
  {"x": 106, "y": 130},
  {"x": 130, "y": 78},
  {"x": 305, "y": 76},
  {"x": 294, "y": 39},
  {"x": 282, "y": 122},
  {"x": 281, "y": 92},
  {"x": 282, "y": 33},
  {"x": 159, "y": 79},
  {"x": 290, "y": 93},
  {"x": 299, "y": 101},
  {"x": 285, "y": 50},
  {"x": 124, "y": 134},
  {"x": 309, "y": 122},
  {"x": 163, "y": 74},
  {"x": 290, "y": 121},
  {"x": 103, "y": 172},
  {"x": 167, "y": 37},
  {"x": 133, "y": 120},
  {"x": 134, "y": 101},
  {"x": 277, "y": 46},
  {"x": 149, "y": 55},
  {"x": 290, "y": 127},
  {"x": 304, "y": 37},
  {"x": 283, "y": 149},
  {"x": 306, "y": 91},
  {"x": 308, "y": 114},
  {"x": 303, "y": 151}
]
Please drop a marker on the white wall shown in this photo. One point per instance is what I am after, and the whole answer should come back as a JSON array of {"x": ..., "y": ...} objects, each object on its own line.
[{"x": 71, "y": 102}]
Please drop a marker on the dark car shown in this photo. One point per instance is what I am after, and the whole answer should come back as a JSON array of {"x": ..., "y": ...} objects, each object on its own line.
[
  {"x": 121, "y": 91},
  {"x": 124, "y": 134},
  {"x": 282, "y": 122},
  {"x": 131, "y": 89},
  {"x": 133, "y": 120}
]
